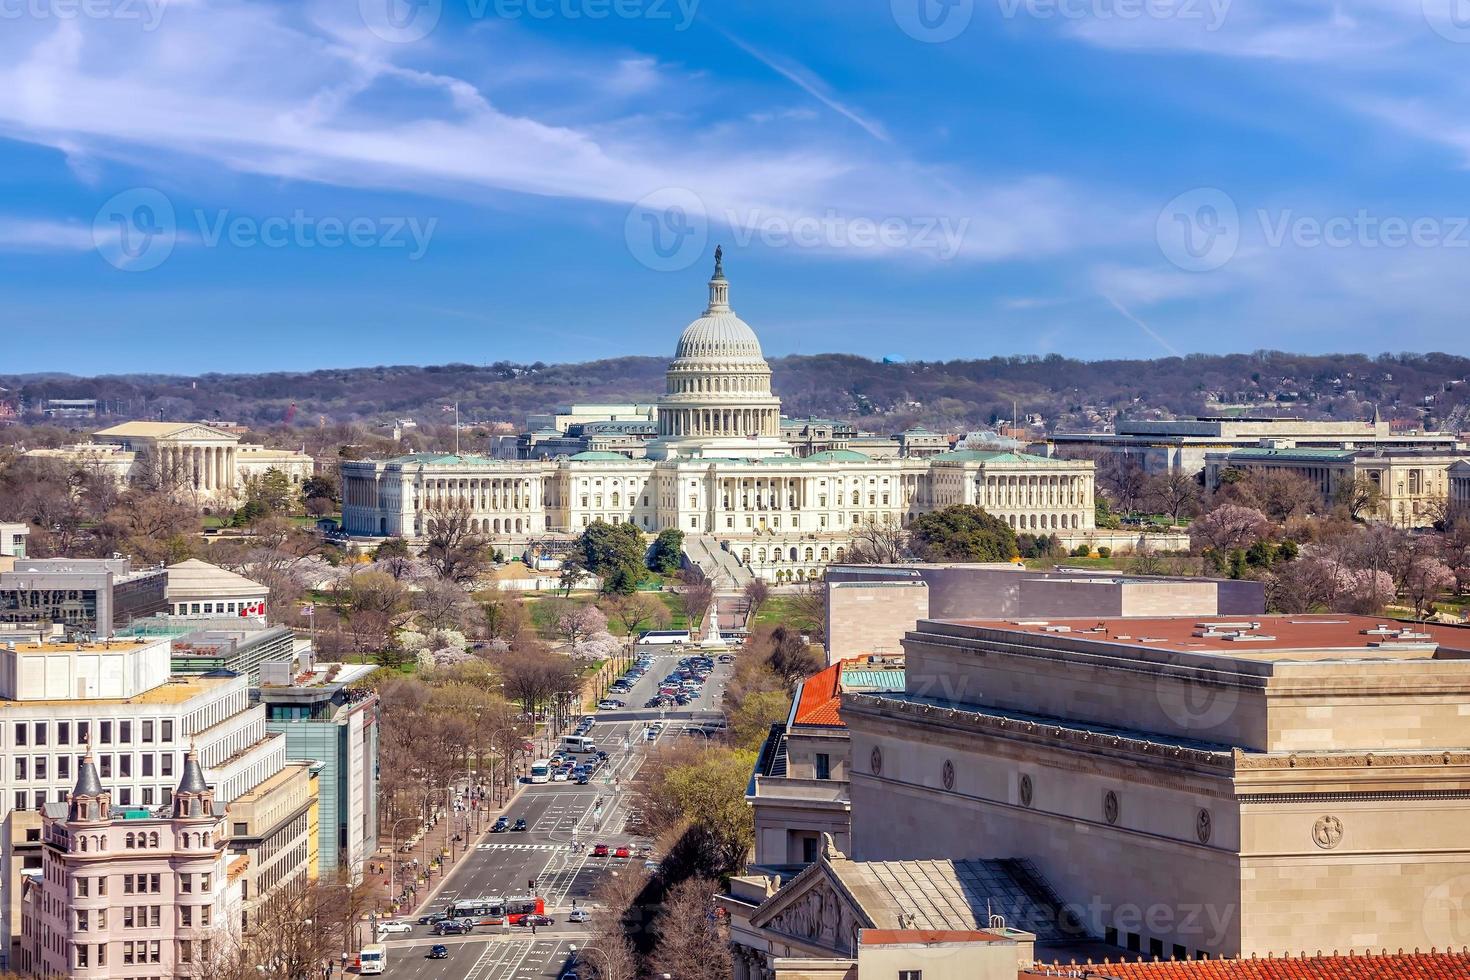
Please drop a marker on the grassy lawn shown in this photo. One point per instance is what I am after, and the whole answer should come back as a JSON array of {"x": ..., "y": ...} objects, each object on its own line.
[
  {"x": 1107, "y": 564},
  {"x": 543, "y": 611},
  {"x": 778, "y": 609}
]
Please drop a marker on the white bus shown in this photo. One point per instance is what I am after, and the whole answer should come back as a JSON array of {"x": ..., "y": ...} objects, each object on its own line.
[
  {"x": 579, "y": 743},
  {"x": 541, "y": 771},
  {"x": 663, "y": 637},
  {"x": 373, "y": 958}
]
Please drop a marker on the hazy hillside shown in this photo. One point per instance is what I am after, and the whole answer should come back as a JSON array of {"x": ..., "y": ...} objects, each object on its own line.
[{"x": 953, "y": 394}]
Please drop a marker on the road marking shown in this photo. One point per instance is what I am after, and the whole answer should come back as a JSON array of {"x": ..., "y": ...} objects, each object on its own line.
[{"x": 523, "y": 847}]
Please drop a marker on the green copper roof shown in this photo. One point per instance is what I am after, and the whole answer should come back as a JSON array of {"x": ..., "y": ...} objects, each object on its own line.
[
  {"x": 598, "y": 457},
  {"x": 979, "y": 456},
  {"x": 445, "y": 459},
  {"x": 839, "y": 456}
]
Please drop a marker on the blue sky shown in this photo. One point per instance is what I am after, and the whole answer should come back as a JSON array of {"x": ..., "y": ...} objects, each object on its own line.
[{"x": 209, "y": 185}]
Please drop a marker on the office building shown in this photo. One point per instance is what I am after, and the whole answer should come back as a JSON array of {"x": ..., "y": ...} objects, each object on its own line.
[
  {"x": 325, "y": 720},
  {"x": 1298, "y": 780},
  {"x": 128, "y": 892},
  {"x": 94, "y": 597}
]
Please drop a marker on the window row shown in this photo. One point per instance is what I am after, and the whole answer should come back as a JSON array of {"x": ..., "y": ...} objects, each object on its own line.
[{"x": 41, "y": 732}]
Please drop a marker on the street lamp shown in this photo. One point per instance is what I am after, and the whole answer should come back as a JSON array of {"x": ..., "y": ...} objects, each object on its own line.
[
  {"x": 505, "y": 780},
  {"x": 393, "y": 846},
  {"x": 605, "y": 959}
]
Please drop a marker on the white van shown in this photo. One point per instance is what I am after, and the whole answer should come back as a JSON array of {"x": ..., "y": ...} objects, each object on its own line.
[{"x": 579, "y": 743}]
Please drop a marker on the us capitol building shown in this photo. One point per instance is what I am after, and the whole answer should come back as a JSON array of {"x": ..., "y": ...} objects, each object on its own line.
[{"x": 720, "y": 470}]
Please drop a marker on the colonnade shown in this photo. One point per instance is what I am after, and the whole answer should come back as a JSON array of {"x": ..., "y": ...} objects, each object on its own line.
[
  {"x": 207, "y": 468},
  {"x": 1034, "y": 491},
  {"x": 725, "y": 422}
]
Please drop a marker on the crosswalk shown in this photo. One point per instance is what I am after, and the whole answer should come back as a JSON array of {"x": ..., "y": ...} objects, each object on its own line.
[{"x": 523, "y": 847}]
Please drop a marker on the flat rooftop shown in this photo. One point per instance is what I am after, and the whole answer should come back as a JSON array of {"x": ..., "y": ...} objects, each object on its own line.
[
  {"x": 102, "y": 646},
  {"x": 176, "y": 690},
  {"x": 1260, "y": 638}
]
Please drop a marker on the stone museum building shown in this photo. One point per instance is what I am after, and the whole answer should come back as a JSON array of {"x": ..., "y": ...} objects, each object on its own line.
[
  {"x": 1185, "y": 786},
  {"x": 720, "y": 464}
]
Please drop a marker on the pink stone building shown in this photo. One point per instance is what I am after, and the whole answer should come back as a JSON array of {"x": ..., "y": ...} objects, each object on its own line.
[{"x": 124, "y": 892}]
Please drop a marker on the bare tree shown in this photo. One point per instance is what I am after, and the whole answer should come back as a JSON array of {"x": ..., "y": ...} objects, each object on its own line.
[
  {"x": 692, "y": 940},
  {"x": 442, "y": 604},
  {"x": 1360, "y": 496},
  {"x": 878, "y": 542},
  {"x": 636, "y": 610},
  {"x": 454, "y": 549},
  {"x": 757, "y": 593},
  {"x": 695, "y": 595},
  {"x": 1174, "y": 493}
]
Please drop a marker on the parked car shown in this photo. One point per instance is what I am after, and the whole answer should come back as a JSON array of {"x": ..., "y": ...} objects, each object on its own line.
[
  {"x": 520, "y": 824},
  {"x": 599, "y": 850},
  {"x": 501, "y": 825},
  {"x": 394, "y": 927},
  {"x": 438, "y": 951},
  {"x": 579, "y": 915}
]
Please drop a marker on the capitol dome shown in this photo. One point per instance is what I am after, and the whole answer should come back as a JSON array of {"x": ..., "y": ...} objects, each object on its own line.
[
  {"x": 718, "y": 399},
  {"x": 719, "y": 335}
]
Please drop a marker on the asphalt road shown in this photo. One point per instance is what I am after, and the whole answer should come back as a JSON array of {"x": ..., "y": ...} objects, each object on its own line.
[{"x": 557, "y": 814}]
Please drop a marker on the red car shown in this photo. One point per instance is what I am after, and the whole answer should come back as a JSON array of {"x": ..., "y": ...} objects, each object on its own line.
[
  {"x": 599, "y": 850},
  {"x": 622, "y": 852}
]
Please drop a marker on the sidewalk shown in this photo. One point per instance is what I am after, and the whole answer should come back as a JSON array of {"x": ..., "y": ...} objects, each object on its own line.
[{"x": 418, "y": 886}]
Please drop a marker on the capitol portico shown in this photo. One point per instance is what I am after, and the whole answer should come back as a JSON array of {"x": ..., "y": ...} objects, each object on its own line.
[{"x": 718, "y": 466}]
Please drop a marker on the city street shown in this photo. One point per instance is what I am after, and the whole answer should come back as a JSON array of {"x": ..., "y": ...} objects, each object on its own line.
[{"x": 564, "y": 821}]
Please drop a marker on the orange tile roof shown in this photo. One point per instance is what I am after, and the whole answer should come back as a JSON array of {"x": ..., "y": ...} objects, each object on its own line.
[
  {"x": 896, "y": 937},
  {"x": 1387, "y": 966},
  {"x": 821, "y": 695}
]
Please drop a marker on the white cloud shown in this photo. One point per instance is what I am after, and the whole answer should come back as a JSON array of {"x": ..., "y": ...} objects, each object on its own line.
[
  {"x": 24, "y": 235},
  {"x": 810, "y": 83},
  {"x": 262, "y": 90}
]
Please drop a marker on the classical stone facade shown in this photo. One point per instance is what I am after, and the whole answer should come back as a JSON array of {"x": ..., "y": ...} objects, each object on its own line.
[
  {"x": 191, "y": 459},
  {"x": 1413, "y": 486},
  {"x": 1187, "y": 786},
  {"x": 719, "y": 465}
]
